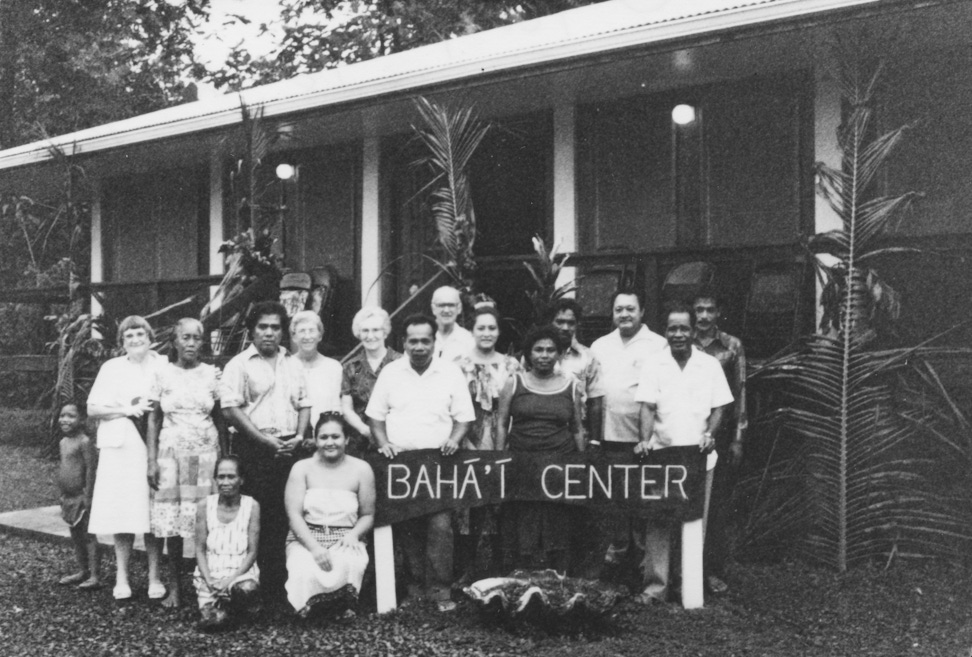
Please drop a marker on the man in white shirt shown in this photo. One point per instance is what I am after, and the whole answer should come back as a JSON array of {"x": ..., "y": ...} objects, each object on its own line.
[
  {"x": 421, "y": 402},
  {"x": 622, "y": 354},
  {"x": 683, "y": 392},
  {"x": 451, "y": 340}
]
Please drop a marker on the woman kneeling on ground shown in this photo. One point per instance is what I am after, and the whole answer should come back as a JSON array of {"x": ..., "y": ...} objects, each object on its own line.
[
  {"x": 227, "y": 538},
  {"x": 330, "y": 501}
]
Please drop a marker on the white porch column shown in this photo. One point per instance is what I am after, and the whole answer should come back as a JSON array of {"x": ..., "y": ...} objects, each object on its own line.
[
  {"x": 564, "y": 195},
  {"x": 216, "y": 237},
  {"x": 826, "y": 118},
  {"x": 370, "y": 219},
  {"x": 97, "y": 254}
]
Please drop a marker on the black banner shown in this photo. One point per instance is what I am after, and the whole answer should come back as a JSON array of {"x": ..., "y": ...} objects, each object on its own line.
[{"x": 667, "y": 481}]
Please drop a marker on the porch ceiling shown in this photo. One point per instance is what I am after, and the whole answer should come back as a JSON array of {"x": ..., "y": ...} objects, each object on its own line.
[{"x": 517, "y": 69}]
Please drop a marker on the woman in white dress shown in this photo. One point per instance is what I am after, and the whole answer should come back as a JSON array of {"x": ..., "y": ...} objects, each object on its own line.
[
  {"x": 330, "y": 501},
  {"x": 119, "y": 398},
  {"x": 323, "y": 374}
]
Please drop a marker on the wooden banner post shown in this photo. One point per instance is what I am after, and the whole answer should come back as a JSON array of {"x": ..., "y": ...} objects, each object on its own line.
[
  {"x": 670, "y": 482},
  {"x": 385, "y": 570}
]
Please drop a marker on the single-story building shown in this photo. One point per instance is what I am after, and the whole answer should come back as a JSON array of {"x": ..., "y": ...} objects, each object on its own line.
[{"x": 587, "y": 153}]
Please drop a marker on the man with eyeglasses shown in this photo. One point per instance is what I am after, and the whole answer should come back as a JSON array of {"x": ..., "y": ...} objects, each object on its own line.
[{"x": 451, "y": 340}]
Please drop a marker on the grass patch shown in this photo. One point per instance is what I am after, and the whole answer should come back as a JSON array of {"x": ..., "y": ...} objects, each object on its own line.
[
  {"x": 27, "y": 480},
  {"x": 25, "y": 427}
]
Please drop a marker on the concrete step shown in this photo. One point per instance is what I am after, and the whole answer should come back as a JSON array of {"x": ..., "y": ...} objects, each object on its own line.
[{"x": 45, "y": 522}]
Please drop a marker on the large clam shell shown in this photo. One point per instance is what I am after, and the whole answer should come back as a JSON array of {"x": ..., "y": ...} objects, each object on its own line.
[{"x": 543, "y": 593}]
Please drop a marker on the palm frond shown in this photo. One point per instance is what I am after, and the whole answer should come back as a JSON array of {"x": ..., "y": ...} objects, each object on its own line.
[
  {"x": 855, "y": 460},
  {"x": 450, "y": 137}
]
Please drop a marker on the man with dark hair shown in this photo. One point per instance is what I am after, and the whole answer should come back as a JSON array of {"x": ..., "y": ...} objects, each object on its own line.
[
  {"x": 587, "y": 553},
  {"x": 578, "y": 361},
  {"x": 728, "y": 350},
  {"x": 422, "y": 402},
  {"x": 622, "y": 355},
  {"x": 682, "y": 392},
  {"x": 264, "y": 399}
]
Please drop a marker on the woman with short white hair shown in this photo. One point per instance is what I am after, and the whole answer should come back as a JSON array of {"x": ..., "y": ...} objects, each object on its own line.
[
  {"x": 372, "y": 326},
  {"x": 323, "y": 374},
  {"x": 119, "y": 399}
]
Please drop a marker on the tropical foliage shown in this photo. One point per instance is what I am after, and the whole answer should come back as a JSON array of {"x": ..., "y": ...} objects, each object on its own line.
[
  {"x": 544, "y": 273},
  {"x": 321, "y": 34},
  {"x": 450, "y": 136},
  {"x": 856, "y": 477},
  {"x": 66, "y": 65}
]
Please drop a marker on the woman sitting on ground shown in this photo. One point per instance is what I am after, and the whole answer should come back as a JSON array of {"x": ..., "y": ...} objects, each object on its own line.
[
  {"x": 330, "y": 500},
  {"x": 227, "y": 578}
]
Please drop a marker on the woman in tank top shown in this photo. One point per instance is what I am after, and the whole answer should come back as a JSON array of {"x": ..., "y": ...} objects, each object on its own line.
[{"x": 539, "y": 412}]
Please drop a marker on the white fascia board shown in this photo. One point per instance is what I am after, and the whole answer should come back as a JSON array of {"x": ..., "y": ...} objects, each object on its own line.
[{"x": 466, "y": 57}]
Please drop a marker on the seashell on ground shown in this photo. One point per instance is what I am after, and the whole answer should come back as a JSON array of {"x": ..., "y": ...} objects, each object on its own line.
[{"x": 544, "y": 594}]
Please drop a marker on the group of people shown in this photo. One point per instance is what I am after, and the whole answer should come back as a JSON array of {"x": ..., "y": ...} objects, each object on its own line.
[{"x": 296, "y": 424}]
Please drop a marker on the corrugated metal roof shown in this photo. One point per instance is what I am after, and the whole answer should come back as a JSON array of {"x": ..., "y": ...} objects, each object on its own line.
[{"x": 603, "y": 27}]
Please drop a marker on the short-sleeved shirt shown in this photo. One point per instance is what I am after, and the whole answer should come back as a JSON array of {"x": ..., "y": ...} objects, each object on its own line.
[
  {"x": 270, "y": 394},
  {"x": 323, "y": 379},
  {"x": 728, "y": 350},
  {"x": 683, "y": 398},
  {"x": 359, "y": 379},
  {"x": 458, "y": 344},
  {"x": 580, "y": 363},
  {"x": 419, "y": 409},
  {"x": 621, "y": 365}
]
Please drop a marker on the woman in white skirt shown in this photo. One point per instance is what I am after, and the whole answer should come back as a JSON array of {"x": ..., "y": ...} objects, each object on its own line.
[
  {"x": 120, "y": 502},
  {"x": 330, "y": 501}
]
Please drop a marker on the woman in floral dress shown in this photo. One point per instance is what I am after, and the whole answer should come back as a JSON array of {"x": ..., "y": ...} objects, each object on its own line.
[
  {"x": 183, "y": 444},
  {"x": 487, "y": 371}
]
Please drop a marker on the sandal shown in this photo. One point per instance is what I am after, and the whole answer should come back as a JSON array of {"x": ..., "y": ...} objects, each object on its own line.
[{"x": 156, "y": 591}]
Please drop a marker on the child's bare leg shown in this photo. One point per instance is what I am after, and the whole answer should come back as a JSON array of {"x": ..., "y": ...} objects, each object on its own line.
[
  {"x": 78, "y": 536},
  {"x": 123, "y": 555},
  {"x": 153, "y": 550},
  {"x": 94, "y": 563},
  {"x": 174, "y": 544}
]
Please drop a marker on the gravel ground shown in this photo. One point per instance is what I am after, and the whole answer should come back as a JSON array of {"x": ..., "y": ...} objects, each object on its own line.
[
  {"x": 772, "y": 610},
  {"x": 784, "y": 609}
]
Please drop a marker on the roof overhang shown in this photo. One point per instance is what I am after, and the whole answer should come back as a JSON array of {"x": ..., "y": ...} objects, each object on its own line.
[{"x": 572, "y": 39}]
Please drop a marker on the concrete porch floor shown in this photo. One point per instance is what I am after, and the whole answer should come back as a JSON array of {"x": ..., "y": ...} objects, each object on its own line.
[{"x": 45, "y": 523}]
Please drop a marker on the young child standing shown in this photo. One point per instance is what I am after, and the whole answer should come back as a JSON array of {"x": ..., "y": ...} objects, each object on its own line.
[{"x": 75, "y": 479}]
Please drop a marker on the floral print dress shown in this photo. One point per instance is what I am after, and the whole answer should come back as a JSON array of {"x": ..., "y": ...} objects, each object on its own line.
[{"x": 188, "y": 447}]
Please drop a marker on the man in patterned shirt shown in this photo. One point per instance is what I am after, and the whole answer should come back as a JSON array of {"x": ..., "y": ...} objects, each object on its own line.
[
  {"x": 578, "y": 361},
  {"x": 728, "y": 350}
]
